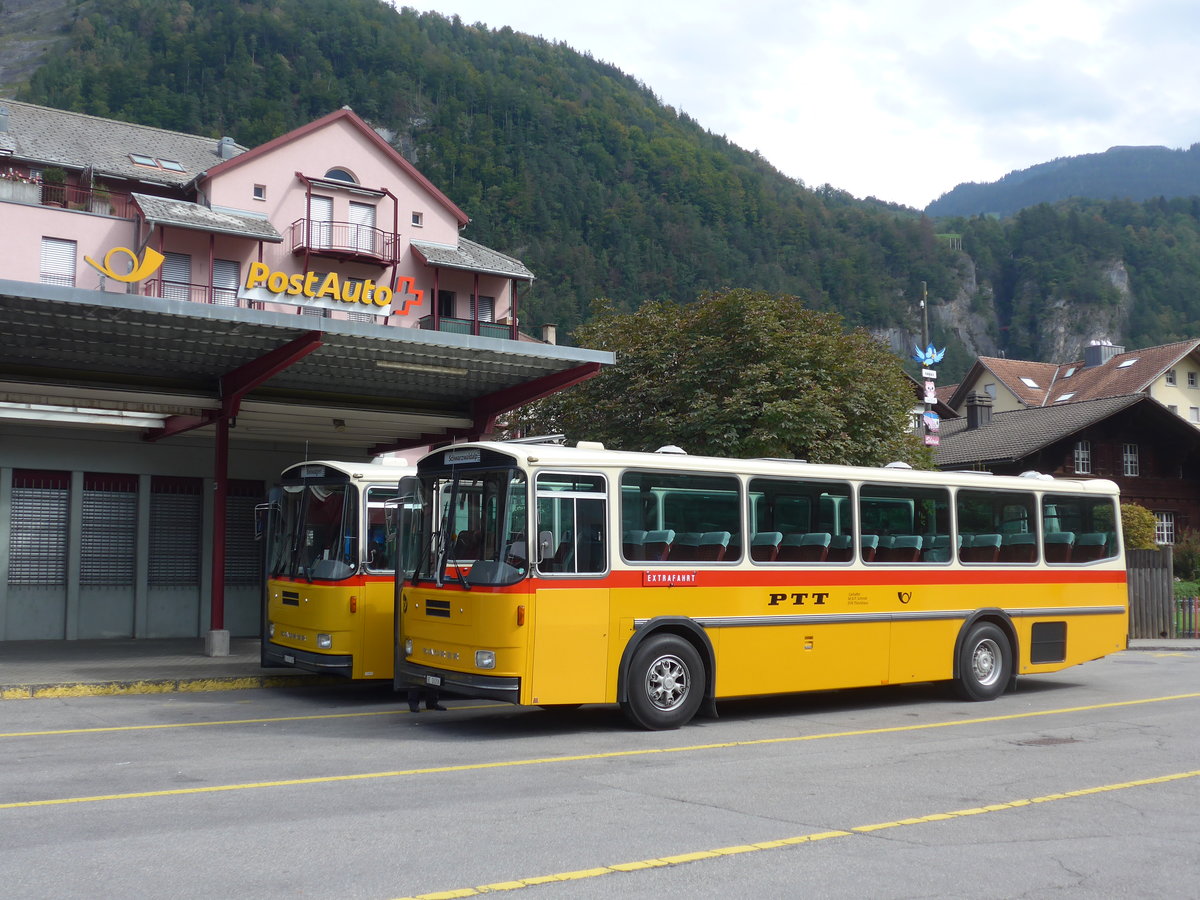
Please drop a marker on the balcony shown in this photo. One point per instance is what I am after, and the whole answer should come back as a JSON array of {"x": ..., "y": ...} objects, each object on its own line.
[
  {"x": 66, "y": 196},
  {"x": 468, "y": 326},
  {"x": 194, "y": 293},
  {"x": 345, "y": 241}
]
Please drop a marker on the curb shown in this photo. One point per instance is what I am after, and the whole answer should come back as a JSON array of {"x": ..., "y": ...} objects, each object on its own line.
[{"x": 159, "y": 686}]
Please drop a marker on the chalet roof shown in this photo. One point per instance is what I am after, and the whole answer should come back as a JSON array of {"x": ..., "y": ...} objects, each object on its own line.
[
  {"x": 1126, "y": 373},
  {"x": 471, "y": 257},
  {"x": 182, "y": 214},
  {"x": 71, "y": 140},
  {"x": 1018, "y": 433},
  {"x": 1042, "y": 384},
  {"x": 1010, "y": 373}
]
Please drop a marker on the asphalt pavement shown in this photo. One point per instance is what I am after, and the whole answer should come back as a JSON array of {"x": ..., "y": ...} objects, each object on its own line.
[{"x": 38, "y": 669}]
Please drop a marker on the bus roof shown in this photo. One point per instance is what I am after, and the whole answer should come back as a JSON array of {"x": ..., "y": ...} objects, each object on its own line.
[
  {"x": 587, "y": 454},
  {"x": 371, "y": 470}
]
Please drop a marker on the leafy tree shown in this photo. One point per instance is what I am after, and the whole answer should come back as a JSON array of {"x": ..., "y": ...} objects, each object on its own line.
[
  {"x": 1137, "y": 527},
  {"x": 737, "y": 373}
]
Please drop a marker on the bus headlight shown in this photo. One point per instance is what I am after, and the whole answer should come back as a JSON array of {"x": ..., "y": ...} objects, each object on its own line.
[
  {"x": 324, "y": 641},
  {"x": 408, "y": 646},
  {"x": 485, "y": 659},
  {"x": 270, "y": 629}
]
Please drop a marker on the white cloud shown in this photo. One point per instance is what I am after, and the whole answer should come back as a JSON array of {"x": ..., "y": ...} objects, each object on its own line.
[{"x": 900, "y": 99}]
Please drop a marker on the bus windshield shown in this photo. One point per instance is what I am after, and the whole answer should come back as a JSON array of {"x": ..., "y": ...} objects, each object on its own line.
[
  {"x": 475, "y": 527},
  {"x": 313, "y": 533}
]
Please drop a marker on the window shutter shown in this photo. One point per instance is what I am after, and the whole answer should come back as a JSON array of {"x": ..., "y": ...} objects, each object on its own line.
[{"x": 58, "y": 261}]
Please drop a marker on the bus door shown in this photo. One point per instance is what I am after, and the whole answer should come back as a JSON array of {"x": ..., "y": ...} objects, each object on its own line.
[{"x": 571, "y": 602}]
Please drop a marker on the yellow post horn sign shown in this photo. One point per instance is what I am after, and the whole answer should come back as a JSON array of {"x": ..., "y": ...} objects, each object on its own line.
[{"x": 149, "y": 264}]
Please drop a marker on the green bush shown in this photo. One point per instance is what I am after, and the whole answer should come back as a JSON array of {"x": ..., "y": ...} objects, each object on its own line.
[
  {"x": 1137, "y": 527},
  {"x": 1187, "y": 556},
  {"x": 1186, "y": 589}
]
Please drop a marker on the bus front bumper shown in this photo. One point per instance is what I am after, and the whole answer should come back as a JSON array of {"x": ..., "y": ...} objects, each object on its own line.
[
  {"x": 324, "y": 663},
  {"x": 461, "y": 684}
]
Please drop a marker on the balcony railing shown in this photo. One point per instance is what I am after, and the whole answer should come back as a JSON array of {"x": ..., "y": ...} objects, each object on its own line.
[
  {"x": 467, "y": 326},
  {"x": 195, "y": 293},
  {"x": 344, "y": 240},
  {"x": 65, "y": 196}
]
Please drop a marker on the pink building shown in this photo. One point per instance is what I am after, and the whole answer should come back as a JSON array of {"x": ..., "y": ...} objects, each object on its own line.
[
  {"x": 326, "y": 221},
  {"x": 183, "y": 318}
]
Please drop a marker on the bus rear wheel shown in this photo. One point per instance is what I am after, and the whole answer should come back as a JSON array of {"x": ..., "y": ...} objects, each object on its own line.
[
  {"x": 666, "y": 683},
  {"x": 984, "y": 663}
]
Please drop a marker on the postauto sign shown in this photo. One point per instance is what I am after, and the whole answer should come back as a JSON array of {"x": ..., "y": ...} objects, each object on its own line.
[{"x": 330, "y": 291}]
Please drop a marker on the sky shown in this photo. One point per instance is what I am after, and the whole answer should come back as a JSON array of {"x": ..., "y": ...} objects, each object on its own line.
[{"x": 896, "y": 99}]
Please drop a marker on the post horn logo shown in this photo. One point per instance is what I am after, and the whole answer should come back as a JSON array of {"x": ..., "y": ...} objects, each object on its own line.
[{"x": 149, "y": 264}]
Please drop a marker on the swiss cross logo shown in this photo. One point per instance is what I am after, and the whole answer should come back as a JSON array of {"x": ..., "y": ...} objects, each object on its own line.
[{"x": 412, "y": 296}]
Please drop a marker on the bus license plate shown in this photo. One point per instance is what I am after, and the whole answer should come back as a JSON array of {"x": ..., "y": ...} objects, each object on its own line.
[
  {"x": 289, "y": 659},
  {"x": 435, "y": 680}
]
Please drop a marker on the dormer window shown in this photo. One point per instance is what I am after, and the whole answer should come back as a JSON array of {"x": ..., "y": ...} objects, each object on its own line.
[
  {"x": 151, "y": 162},
  {"x": 341, "y": 175}
]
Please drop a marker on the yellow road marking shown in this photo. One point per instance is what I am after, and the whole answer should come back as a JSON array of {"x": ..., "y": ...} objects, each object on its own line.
[
  {"x": 583, "y": 757},
  {"x": 685, "y": 858}
]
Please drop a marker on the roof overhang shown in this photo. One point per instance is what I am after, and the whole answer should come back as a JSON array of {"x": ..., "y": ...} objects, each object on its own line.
[{"x": 363, "y": 387}]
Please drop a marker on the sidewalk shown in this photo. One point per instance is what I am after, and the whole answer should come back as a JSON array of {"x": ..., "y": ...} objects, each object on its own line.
[
  {"x": 37, "y": 669},
  {"x": 40, "y": 669}
]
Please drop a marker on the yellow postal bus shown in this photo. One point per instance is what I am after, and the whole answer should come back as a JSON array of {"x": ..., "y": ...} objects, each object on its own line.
[
  {"x": 550, "y": 575},
  {"x": 330, "y": 594}
]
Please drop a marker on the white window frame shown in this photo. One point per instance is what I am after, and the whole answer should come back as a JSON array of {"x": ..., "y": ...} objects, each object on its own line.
[
  {"x": 1164, "y": 527},
  {"x": 1083, "y": 457},
  {"x": 1192, "y": 379},
  {"x": 1170, "y": 377},
  {"x": 1130, "y": 466},
  {"x": 1194, "y": 414}
]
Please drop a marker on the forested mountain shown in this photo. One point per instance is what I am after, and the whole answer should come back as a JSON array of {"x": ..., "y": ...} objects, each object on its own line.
[
  {"x": 602, "y": 190},
  {"x": 1124, "y": 173}
]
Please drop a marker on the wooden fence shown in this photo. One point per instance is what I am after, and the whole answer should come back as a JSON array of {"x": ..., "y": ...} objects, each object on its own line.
[{"x": 1153, "y": 610}]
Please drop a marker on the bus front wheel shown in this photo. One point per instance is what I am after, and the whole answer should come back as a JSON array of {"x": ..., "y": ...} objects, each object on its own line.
[
  {"x": 666, "y": 683},
  {"x": 984, "y": 663}
]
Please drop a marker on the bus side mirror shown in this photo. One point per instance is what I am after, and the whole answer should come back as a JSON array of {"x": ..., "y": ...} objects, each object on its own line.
[
  {"x": 260, "y": 520},
  {"x": 546, "y": 546}
]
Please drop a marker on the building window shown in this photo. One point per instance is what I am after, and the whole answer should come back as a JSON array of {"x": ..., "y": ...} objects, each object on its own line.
[
  {"x": 1028, "y": 382},
  {"x": 177, "y": 276},
  {"x": 58, "y": 261},
  {"x": 1170, "y": 376},
  {"x": 418, "y": 219},
  {"x": 445, "y": 301},
  {"x": 1173, "y": 408},
  {"x": 1191, "y": 379},
  {"x": 1129, "y": 459},
  {"x": 260, "y": 192},
  {"x": 225, "y": 282},
  {"x": 1083, "y": 458},
  {"x": 486, "y": 309},
  {"x": 1164, "y": 527},
  {"x": 990, "y": 390},
  {"x": 340, "y": 175}
]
